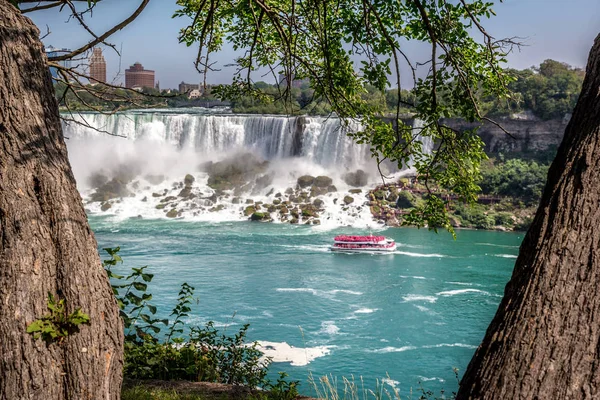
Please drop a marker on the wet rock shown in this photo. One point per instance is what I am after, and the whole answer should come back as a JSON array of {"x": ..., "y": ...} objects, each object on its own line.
[
  {"x": 157, "y": 194},
  {"x": 278, "y": 195},
  {"x": 318, "y": 191},
  {"x": 236, "y": 200},
  {"x": 188, "y": 180},
  {"x": 357, "y": 178},
  {"x": 260, "y": 216},
  {"x": 172, "y": 213},
  {"x": 185, "y": 192},
  {"x": 105, "y": 206},
  {"x": 306, "y": 181},
  {"x": 271, "y": 208},
  {"x": 284, "y": 210},
  {"x": 168, "y": 198},
  {"x": 249, "y": 201},
  {"x": 355, "y": 191},
  {"x": 348, "y": 200},
  {"x": 323, "y": 181},
  {"x": 331, "y": 189},
  {"x": 249, "y": 211},
  {"x": 270, "y": 192},
  {"x": 289, "y": 191},
  {"x": 111, "y": 190},
  {"x": 318, "y": 203},
  {"x": 217, "y": 208},
  {"x": 160, "y": 206},
  {"x": 145, "y": 199},
  {"x": 294, "y": 220},
  {"x": 276, "y": 201},
  {"x": 316, "y": 222}
]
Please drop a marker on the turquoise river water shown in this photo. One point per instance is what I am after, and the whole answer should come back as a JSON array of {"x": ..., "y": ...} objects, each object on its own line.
[{"x": 406, "y": 318}]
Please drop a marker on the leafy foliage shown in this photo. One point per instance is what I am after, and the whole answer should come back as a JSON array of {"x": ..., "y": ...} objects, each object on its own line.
[
  {"x": 59, "y": 323},
  {"x": 548, "y": 91},
  {"x": 515, "y": 178},
  {"x": 345, "y": 47}
]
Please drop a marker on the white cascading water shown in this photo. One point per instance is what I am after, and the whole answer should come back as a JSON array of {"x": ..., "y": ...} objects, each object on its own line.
[{"x": 174, "y": 143}]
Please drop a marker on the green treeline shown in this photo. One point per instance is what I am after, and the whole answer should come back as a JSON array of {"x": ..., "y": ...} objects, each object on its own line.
[{"x": 547, "y": 91}]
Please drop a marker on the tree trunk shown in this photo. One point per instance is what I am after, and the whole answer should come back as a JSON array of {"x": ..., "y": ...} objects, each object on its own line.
[
  {"x": 46, "y": 245},
  {"x": 544, "y": 341}
]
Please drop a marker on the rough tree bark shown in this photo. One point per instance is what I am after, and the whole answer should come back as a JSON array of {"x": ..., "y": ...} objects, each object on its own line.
[
  {"x": 544, "y": 341},
  {"x": 46, "y": 245}
]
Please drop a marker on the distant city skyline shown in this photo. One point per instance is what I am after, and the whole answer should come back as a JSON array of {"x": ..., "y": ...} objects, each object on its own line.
[{"x": 549, "y": 28}]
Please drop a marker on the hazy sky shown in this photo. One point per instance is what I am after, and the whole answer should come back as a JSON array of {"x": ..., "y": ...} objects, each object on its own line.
[{"x": 563, "y": 30}]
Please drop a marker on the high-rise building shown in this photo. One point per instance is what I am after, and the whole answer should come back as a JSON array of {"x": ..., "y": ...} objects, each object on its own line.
[
  {"x": 54, "y": 52},
  {"x": 138, "y": 77},
  {"x": 97, "y": 67}
]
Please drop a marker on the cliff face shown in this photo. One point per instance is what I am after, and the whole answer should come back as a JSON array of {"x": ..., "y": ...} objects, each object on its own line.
[{"x": 528, "y": 135}]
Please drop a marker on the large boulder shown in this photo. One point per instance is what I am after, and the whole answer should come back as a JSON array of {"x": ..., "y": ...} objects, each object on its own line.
[
  {"x": 323, "y": 181},
  {"x": 188, "y": 180},
  {"x": 356, "y": 178},
  {"x": 260, "y": 216},
  {"x": 348, "y": 200},
  {"x": 111, "y": 190},
  {"x": 306, "y": 181},
  {"x": 172, "y": 213}
]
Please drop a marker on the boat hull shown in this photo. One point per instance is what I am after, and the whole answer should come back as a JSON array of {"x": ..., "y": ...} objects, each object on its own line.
[{"x": 364, "y": 250}]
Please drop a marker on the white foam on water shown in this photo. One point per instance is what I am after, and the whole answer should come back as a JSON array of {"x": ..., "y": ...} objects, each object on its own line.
[
  {"x": 329, "y": 328},
  {"x": 423, "y": 309},
  {"x": 326, "y": 294},
  {"x": 506, "y": 255},
  {"x": 433, "y": 346},
  {"x": 391, "y": 349},
  {"x": 410, "y": 254},
  {"x": 435, "y": 378},
  {"x": 419, "y": 297},
  {"x": 390, "y": 382},
  {"x": 412, "y": 277},
  {"x": 296, "y": 356},
  {"x": 365, "y": 310},
  {"x": 353, "y": 292},
  {"x": 448, "y": 293},
  {"x": 461, "y": 283}
]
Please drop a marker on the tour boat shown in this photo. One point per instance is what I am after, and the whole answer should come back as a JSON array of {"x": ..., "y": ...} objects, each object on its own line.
[{"x": 363, "y": 244}]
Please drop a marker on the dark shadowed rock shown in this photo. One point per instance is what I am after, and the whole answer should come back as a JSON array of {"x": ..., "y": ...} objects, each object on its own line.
[
  {"x": 306, "y": 181},
  {"x": 188, "y": 180},
  {"x": 172, "y": 213},
  {"x": 323, "y": 181}
]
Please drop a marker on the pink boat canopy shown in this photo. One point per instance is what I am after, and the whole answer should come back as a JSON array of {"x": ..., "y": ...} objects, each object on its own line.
[{"x": 356, "y": 238}]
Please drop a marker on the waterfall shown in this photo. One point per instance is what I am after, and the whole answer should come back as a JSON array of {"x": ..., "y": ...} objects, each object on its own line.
[
  {"x": 318, "y": 140},
  {"x": 258, "y": 158}
]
